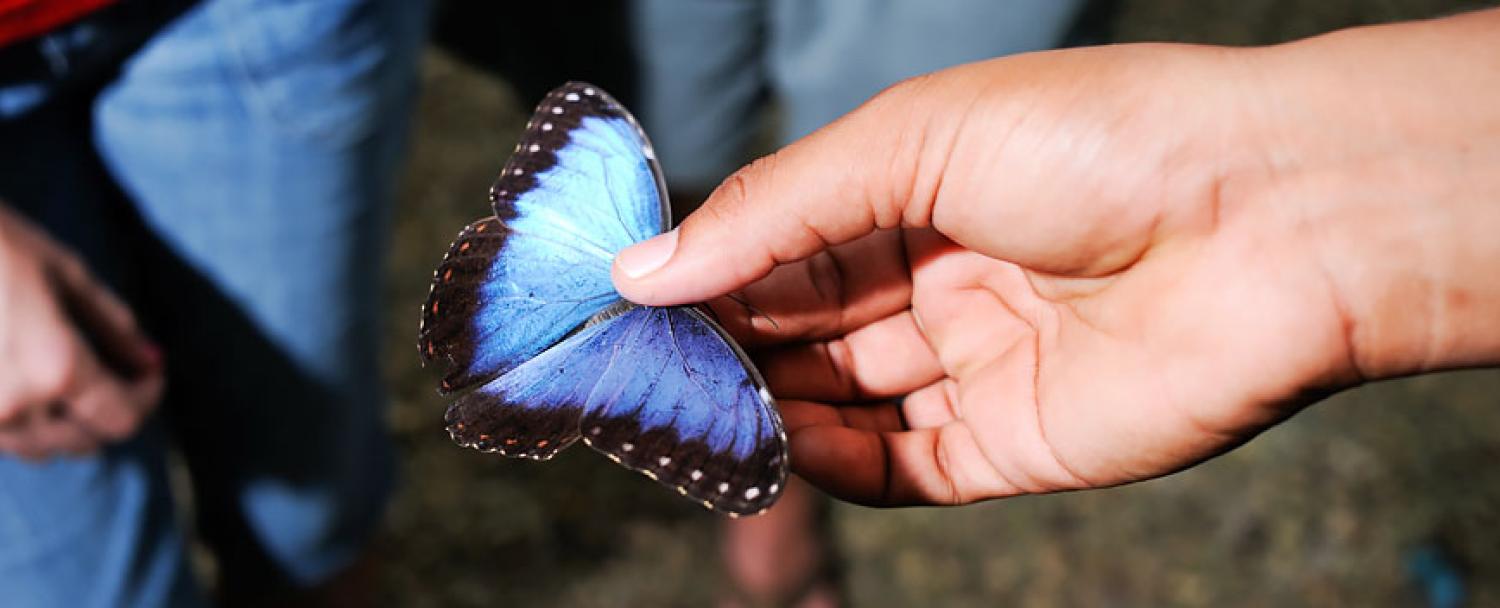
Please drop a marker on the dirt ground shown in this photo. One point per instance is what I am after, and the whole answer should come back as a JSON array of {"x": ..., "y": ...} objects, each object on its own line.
[{"x": 1322, "y": 510}]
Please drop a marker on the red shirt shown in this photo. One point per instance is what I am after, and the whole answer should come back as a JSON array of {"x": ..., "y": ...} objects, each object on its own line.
[{"x": 22, "y": 19}]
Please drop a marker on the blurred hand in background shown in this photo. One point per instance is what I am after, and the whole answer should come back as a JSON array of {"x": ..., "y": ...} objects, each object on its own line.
[
  {"x": 1083, "y": 268},
  {"x": 79, "y": 372}
]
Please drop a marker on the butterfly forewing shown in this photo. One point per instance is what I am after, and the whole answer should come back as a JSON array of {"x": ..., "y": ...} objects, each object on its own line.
[{"x": 581, "y": 186}]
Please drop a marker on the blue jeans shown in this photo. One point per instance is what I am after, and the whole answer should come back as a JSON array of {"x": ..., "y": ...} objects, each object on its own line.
[
  {"x": 705, "y": 66},
  {"x": 231, "y": 177}
]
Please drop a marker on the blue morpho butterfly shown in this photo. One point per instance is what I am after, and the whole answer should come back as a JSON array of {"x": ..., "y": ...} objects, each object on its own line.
[{"x": 522, "y": 307}]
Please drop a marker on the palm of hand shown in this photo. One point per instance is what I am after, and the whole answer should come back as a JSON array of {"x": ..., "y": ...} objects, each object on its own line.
[
  {"x": 1094, "y": 284},
  {"x": 940, "y": 374}
]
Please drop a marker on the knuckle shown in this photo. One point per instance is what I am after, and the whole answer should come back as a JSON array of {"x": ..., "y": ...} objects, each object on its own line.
[
  {"x": 737, "y": 190},
  {"x": 115, "y": 428},
  {"x": 732, "y": 193},
  {"x": 51, "y": 371},
  {"x": 13, "y": 403},
  {"x": 110, "y": 419},
  {"x": 840, "y": 359}
]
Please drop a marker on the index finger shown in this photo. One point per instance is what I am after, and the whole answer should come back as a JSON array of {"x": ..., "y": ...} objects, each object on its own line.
[
  {"x": 827, "y": 295},
  {"x": 857, "y": 175}
]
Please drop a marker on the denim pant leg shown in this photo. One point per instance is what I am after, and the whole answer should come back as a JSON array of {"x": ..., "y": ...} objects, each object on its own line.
[
  {"x": 82, "y": 532},
  {"x": 829, "y": 56},
  {"x": 260, "y": 141},
  {"x": 702, "y": 80},
  {"x": 706, "y": 66}
]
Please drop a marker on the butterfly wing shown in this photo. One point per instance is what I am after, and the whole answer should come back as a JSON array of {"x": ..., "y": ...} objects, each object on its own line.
[
  {"x": 660, "y": 390},
  {"x": 686, "y": 407},
  {"x": 582, "y": 184},
  {"x": 532, "y": 411}
]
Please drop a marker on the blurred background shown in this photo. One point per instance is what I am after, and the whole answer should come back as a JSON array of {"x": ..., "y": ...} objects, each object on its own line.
[{"x": 1353, "y": 502}]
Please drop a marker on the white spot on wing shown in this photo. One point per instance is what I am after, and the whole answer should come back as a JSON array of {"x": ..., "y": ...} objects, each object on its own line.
[
  {"x": 723, "y": 487},
  {"x": 627, "y": 446},
  {"x": 751, "y": 493},
  {"x": 664, "y": 461},
  {"x": 571, "y": 97},
  {"x": 696, "y": 475}
]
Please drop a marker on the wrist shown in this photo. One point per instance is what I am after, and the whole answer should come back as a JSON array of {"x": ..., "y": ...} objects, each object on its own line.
[{"x": 1383, "y": 148}]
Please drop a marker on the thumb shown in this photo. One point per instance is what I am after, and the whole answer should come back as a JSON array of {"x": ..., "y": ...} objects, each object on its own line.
[{"x": 842, "y": 182}]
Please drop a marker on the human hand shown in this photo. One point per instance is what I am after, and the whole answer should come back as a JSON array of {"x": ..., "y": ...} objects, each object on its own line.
[
  {"x": 79, "y": 372},
  {"x": 1088, "y": 267}
]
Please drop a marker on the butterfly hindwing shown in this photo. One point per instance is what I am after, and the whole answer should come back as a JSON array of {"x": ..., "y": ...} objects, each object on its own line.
[
  {"x": 683, "y": 405},
  {"x": 659, "y": 390},
  {"x": 582, "y": 185},
  {"x": 532, "y": 411}
]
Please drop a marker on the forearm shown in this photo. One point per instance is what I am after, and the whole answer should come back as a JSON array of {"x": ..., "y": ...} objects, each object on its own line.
[{"x": 1386, "y": 142}]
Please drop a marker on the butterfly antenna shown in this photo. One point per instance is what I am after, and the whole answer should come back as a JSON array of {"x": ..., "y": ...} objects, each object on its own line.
[
  {"x": 713, "y": 313},
  {"x": 753, "y": 310}
]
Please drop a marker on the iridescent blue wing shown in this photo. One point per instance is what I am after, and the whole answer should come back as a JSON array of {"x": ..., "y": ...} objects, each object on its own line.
[
  {"x": 532, "y": 411},
  {"x": 662, "y": 391},
  {"x": 583, "y": 184},
  {"x": 686, "y": 407}
]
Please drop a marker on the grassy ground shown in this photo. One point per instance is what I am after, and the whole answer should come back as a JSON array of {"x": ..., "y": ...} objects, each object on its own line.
[{"x": 1317, "y": 511}]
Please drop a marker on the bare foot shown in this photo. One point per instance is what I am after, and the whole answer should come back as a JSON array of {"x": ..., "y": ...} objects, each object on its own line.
[{"x": 782, "y": 558}]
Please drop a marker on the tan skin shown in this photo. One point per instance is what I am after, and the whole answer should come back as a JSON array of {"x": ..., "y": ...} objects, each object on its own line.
[
  {"x": 1089, "y": 267},
  {"x": 58, "y": 396}
]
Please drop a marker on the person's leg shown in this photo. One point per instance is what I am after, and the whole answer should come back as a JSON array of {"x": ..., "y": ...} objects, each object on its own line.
[
  {"x": 702, "y": 81},
  {"x": 93, "y": 531},
  {"x": 829, "y": 56},
  {"x": 97, "y": 530},
  {"x": 260, "y": 142}
]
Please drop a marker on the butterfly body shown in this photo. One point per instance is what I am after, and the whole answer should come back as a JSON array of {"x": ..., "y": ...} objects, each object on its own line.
[{"x": 524, "y": 314}]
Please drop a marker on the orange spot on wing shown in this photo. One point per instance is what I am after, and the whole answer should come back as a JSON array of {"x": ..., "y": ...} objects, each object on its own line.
[
  {"x": 481, "y": 227},
  {"x": 542, "y": 443},
  {"x": 464, "y": 246},
  {"x": 447, "y": 274}
]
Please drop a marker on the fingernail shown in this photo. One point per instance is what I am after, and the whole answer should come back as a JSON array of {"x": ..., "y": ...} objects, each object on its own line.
[{"x": 645, "y": 257}]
